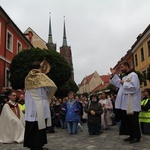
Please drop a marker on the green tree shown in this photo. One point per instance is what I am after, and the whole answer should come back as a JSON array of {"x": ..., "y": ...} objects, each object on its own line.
[
  {"x": 112, "y": 88},
  {"x": 60, "y": 70},
  {"x": 68, "y": 86},
  {"x": 140, "y": 76},
  {"x": 148, "y": 73}
]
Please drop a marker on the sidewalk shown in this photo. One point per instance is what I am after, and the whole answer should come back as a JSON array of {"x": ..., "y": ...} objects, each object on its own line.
[{"x": 108, "y": 140}]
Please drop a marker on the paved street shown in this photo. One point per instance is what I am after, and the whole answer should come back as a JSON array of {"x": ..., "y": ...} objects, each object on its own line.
[{"x": 108, "y": 140}]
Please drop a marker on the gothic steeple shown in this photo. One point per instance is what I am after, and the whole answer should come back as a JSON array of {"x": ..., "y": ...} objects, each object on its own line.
[
  {"x": 50, "y": 44},
  {"x": 64, "y": 35},
  {"x": 50, "y": 39},
  {"x": 65, "y": 51}
]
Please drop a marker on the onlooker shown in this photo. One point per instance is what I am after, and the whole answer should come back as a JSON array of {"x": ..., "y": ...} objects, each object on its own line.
[
  {"x": 85, "y": 115},
  {"x": 112, "y": 114},
  {"x": 72, "y": 116},
  {"x": 128, "y": 101},
  {"x": 107, "y": 107},
  {"x": 63, "y": 114},
  {"x": 4, "y": 97},
  {"x": 51, "y": 129},
  {"x": 11, "y": 122},
  {"x": 94, "y": 110},
  {"x": 57, "y": 108},
  {"x": 21, "y": 103},
  {"x": 144, "y": 115},
  {"x": 80, "y": 128}
]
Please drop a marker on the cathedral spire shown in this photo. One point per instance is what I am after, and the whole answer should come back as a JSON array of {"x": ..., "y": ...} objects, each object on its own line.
[
  {"x": 64, "y": 35},
  {"x": 50, "y": 45},
  {"x": 50, "y": 39}
]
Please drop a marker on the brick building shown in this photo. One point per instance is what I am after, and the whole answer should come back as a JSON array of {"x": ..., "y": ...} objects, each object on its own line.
[{"x": 12, "y": 40}]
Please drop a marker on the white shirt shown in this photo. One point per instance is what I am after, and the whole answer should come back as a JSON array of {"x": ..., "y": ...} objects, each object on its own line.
[
  {"x": 30, "y": 110},
  {"x": 131, "y": 86}
]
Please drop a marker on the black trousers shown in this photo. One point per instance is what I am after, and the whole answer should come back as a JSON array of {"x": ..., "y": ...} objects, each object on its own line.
[
  {"x": 34, "y": 138},
  {"x": 130, "y": 125}
]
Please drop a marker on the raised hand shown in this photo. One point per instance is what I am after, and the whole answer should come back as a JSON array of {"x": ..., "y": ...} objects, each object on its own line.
[{"x": 113, "y": 71}]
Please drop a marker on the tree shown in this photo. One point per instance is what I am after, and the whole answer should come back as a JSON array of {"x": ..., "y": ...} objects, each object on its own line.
[
  {"x": 140, "y": 76},
  {"x": 148, "y": 73},
  {"x": 60, "y": 70},
  {"x": 112, "y": 88},
  {"x": 68, "y": 86}
]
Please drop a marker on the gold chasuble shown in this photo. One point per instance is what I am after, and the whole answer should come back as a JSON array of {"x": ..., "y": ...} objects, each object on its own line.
[{"x": 36, "y": 79}]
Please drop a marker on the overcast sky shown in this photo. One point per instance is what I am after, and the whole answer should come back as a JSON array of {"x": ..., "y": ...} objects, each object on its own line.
[{"x": 99, "y": 32}]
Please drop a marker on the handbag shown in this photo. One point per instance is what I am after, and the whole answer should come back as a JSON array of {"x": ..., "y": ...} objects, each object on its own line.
[{"x": 85, "y": 115}]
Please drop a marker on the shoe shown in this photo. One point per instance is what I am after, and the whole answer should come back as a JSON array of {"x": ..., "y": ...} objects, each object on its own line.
[
  {"x": 134, "y": 141},
  {"x": 128, "y": 139}
]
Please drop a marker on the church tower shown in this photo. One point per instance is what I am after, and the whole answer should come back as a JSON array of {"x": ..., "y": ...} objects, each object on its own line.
[
  {"x": 50, "y": 45},
  {"x": 65, "y": 50}
]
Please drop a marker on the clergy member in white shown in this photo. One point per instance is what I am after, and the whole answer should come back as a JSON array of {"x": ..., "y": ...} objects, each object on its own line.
[
  {"x": 11, "y": 122},
  {"x": 39, "y": 89},
  {"x": 128, "y": 101}
]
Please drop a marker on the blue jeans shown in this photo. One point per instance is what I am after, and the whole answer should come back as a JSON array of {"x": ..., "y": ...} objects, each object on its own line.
[
  {"x": 63, "y": 123},
  {"x": 72, "y": 127}
]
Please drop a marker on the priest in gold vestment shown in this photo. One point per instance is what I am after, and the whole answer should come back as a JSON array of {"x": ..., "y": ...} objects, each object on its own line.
[{"x": 39, "y": 89}]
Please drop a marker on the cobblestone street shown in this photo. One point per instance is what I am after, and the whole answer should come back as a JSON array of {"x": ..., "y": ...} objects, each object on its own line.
[{"x": 108, "y": 140}]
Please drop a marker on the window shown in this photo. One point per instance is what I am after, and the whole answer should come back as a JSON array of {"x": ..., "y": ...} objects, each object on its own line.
[
  {"x": 142, "y": 54},
  {"x": 145, "y": 80},
  {"x": 19, "y": 46},
  {"x": 7, "y": 76},
  {"x": 136, "y": 60},
  {"x": 9, "y": 41},
  {"x": 148, "y": 45},
  {"x": 0, "y": 33}
]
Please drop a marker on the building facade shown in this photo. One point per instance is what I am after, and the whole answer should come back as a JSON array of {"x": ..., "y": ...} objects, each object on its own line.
[
  {"x": 89, "y": 83},
  {"x": 129, "y": 58},
  {"x": 35, "y": 39},
  {"x": 141, "y": 55},
  {"x": 103, "y": 85},
  {"x": 12, "y": 41}
]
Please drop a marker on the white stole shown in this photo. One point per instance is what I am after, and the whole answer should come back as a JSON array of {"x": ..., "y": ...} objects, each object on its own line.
[
  {"x": 129, "y": 103},
  {"x": 40, "y": 111}
]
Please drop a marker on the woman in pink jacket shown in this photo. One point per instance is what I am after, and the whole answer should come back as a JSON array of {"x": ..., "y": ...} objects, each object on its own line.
[{"x": 107, "y": 108}]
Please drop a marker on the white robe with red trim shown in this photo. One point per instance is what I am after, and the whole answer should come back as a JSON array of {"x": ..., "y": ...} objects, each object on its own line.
[{"x": 11, "y": 127}]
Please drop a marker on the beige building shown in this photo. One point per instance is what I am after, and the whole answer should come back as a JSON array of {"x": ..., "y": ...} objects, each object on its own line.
[
  {"x": 35, "y": 40},
  {"x": 89, "y": 83},
  {"x": 141, "y": 54}
]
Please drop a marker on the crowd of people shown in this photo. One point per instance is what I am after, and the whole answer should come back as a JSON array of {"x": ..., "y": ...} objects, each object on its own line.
[
  {"x": 37, "y": 112},
  {"x": 71, "y": 112}
]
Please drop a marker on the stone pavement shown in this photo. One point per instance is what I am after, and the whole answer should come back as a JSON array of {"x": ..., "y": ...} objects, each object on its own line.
[{"x": 108, "y": 140}]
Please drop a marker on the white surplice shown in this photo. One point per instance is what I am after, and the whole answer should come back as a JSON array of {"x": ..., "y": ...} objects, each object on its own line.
[
  {"x": 37, "y": 106},
  {"x": 131, "y": 86},
  {"x": 11, "y": 127}
]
